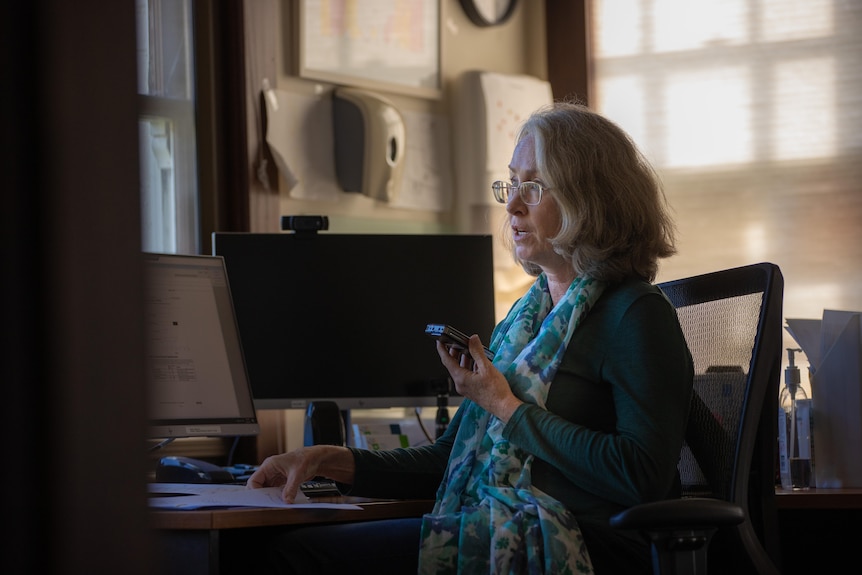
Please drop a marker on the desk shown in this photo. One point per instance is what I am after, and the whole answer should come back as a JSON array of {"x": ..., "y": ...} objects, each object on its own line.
[
  {"x": 192, "y": 542},
  {"x": 819, "y": 529},
  {"x": 850, "y": 498}
]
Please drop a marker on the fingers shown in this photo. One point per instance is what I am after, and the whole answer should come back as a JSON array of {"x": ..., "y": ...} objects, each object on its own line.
[
  {"x": 454, "y": 355},
  {"x": 272, "y": 473},
  {"x": 448, "y": 356},
  {"x": 477, "y": 352},
  {"x": 460, "y": 362},
  {"x": 263, "y": 476},
  {"x": 292, "y": 485},
  {"x": 255, "y": 481}
]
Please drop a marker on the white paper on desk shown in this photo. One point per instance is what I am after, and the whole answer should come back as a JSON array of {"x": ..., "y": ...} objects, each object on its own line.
[
  {"x": 835, "y": 354},
  {"x": 209, "y": 495}
]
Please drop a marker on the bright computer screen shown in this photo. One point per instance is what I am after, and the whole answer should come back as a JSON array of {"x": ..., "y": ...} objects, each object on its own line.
[
  {"x": 342, "y": 317},
  {"x": 197, "y": 382}
]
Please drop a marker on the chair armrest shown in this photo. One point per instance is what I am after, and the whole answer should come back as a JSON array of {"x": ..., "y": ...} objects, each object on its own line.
[
  {"x": 688, "y": 512},
  {"x": 679, "y": 530}
]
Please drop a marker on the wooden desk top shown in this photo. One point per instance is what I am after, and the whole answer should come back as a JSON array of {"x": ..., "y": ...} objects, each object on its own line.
[
  {"x": 847, "y": 498},
  {"x": 261, "y": 517}
]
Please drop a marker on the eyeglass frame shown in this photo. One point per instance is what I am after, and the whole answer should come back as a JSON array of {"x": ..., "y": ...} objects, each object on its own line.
[{"x": 501, "y": 185}]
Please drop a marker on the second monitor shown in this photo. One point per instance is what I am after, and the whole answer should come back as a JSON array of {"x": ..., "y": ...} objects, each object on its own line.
[{"x": 342, "y": 317}]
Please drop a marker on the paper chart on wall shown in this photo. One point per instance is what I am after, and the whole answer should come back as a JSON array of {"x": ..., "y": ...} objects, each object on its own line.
[
  {"x": 427, "y": 180},
  {"x": 509, "y": 100},
  {"x": 366, "y": 44},
  {"x": 490, "y": 109}
]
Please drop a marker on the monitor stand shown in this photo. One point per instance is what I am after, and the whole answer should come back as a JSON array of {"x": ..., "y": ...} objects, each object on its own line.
[{"x": 326, "y": 424}]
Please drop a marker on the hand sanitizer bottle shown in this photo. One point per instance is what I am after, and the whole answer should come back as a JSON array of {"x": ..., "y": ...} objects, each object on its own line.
[{"x": 794, "y": 429}]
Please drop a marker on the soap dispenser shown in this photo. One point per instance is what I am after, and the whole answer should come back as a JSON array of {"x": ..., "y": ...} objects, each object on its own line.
[{"x": 794, "y": 429}]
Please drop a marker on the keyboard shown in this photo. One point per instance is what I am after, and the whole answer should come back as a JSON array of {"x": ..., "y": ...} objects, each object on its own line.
[{"x": 319, "y": 487}]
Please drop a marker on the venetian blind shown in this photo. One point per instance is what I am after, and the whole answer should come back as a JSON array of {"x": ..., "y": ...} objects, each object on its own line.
[{"x": 750, "y": 110}]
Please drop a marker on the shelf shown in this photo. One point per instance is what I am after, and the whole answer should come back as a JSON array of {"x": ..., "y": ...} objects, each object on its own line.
[{"x": 846, "y": 498}]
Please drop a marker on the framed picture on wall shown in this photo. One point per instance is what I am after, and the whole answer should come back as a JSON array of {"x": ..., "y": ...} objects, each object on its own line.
[{"x": 387, "y": 45}]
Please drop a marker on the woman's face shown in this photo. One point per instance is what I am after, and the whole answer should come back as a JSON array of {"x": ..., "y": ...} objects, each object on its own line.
[{"x": 532, "y": 226}]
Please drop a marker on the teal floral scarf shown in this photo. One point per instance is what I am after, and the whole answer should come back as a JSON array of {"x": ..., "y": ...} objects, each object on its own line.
[{"x": 488, "y": 517}]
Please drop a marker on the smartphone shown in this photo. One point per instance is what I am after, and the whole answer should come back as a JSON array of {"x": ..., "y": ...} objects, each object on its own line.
[{"x": 453, "y": 337}]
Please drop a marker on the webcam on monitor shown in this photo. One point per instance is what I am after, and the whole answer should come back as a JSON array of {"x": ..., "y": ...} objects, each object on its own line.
[{"x": 304, "y": 223}]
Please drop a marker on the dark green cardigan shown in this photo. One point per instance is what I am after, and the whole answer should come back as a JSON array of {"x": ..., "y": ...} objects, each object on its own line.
[{"x": 615, "y": 419}]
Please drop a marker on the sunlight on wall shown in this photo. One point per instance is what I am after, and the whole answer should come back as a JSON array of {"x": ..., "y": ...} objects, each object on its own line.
[
  {"x": 805, "y": 303},
  {"x": 708, "y": 117},
  {"x": 751, "y": 113},
  {"x": 784, "y": 20},
  {"x": 626, "y": 36},
  {"x": 621, "y": 97},
  {"x": 686, "y": 25},
  {"x": 755, "y": 242},
  {"x": 805, "y": 117}
]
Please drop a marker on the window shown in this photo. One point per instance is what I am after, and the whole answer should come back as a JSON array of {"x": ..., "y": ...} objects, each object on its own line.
[
  {"x": 750, "y": 111},
  {"x": 169, "y": 190}
]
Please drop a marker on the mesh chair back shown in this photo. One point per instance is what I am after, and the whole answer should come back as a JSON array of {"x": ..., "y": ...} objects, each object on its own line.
[{"x": 732, "y": 320}]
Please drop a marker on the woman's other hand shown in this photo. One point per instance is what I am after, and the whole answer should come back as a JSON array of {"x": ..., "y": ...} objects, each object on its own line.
[{"x": 477, "y": 379}]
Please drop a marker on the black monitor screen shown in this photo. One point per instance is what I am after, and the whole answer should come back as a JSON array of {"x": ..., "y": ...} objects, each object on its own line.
[{"x": 342, "y": 317}]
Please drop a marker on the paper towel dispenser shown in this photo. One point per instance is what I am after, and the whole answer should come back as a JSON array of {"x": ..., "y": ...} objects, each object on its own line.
[{"x": 369, "y": 137}]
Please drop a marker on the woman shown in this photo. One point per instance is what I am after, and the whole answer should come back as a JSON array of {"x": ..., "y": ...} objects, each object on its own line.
[{"x": 582, "y": 411}]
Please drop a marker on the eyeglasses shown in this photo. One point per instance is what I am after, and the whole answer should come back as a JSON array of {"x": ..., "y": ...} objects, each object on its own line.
[{"x": 530, "y": 192}]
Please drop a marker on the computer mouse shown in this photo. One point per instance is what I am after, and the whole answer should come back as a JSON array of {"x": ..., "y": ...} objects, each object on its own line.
[{"x": 179, "y": 469}]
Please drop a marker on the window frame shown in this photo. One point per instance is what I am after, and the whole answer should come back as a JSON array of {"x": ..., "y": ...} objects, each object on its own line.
[{"x": 207, "y": 165}]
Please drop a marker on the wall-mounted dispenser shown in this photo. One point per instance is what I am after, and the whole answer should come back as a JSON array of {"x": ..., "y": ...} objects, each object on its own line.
[{"x": 369, "y": 139}]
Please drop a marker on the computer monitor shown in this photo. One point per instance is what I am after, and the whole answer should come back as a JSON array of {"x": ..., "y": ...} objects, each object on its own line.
[
  {"x": 341, "y": 317},
  {"x": 197, "y": 382}
]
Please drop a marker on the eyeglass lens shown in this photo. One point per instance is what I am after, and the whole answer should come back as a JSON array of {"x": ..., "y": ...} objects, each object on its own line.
[{"x": 530, "y": 192}]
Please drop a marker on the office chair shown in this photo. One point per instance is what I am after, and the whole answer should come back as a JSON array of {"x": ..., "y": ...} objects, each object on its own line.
[{"x": 732, "y": 320}]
